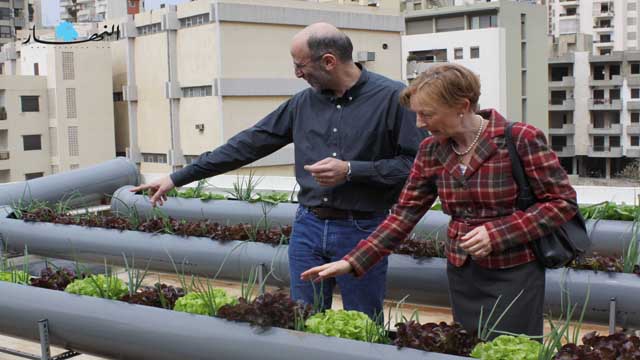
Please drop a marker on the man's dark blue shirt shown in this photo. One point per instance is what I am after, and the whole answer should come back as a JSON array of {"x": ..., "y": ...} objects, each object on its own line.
[{"x": 366, "y": 126}]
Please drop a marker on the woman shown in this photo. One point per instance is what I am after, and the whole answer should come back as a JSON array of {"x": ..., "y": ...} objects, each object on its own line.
[{"x": 466, "y": 163}]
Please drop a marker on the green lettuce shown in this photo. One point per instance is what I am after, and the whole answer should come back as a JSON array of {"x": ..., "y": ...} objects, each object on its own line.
[
  {"x": 205, "y": 303},
  {"x": 18, "y": 277},
  {"x": 108, "y": 287},
  {"x": 506, "y": 347},
  {"x": 347, "y": 324}
]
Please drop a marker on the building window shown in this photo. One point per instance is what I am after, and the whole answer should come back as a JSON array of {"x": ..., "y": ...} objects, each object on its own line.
[
  {"x": 475, "y": 52},
  {"x": 635, "y": 117},
  {"x": 523, "y": 55},
  {"x": 149, "y": 29},
  {"x": 30, "y": 103},
  {"x": 194, "y": 20},
  {"x": 524, "y": 110},
  {"x": 484, "y": 21},
  {"x": 53, "y": 141},
  {"x": 614, "y": 94},
  {"x": 5, "y": 13},
  {"x": 68, "y": 70},
  {"x": 635, "y": 141},
  {"x": 635, "y": 68},
  {"x": 5, "y": 32},
  {"x": 457, "y": 53},
  {"x": 631, "y": 6},
  {"x": 449, "y": 23},
  {"x": 34, "y": 175},
  {"x": 523, "y": 26},
  {"x": 635, "y": 93},
  {"x": 524, "y": 83},
  {"x": 154, "y": 158},
  {"x": 631, "y": 36},
  {"x": 32, "y": 142},
  {"x": 631, "y": 21},
  {"x": 117, "y": 96},
  {"x": 74, "y": 148},
  {"x": 36, "y": 69},
  {"x": 197, "y": 91},
  {"x": 74, "y": 166},
  {"x": 605, "y": 51},
  {"x": 189, "y": 159},
  {"x": 71, "y": 103}
]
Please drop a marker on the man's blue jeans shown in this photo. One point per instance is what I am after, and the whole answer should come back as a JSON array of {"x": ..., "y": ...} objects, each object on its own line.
[{"x": 315, "y": 242}]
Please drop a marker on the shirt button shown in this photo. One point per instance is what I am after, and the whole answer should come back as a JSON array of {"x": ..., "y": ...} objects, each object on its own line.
[
  {"x": 338, "y": 106},
  {"x": 335, "y": 129},
  {"x": 469, "y": 210},
  {"x": 325, "y": 199},
  {"x": 334, "y": 154},
  {"x": 350, "y": 98}
]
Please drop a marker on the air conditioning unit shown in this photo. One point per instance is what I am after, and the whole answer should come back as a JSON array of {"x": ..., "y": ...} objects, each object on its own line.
[
  {"x": 366, "y": 56},
  {"x": 200, "y": 127}
]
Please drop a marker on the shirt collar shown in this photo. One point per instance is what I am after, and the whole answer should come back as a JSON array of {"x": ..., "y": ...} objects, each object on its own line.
[{"x": 353, "y": 92}]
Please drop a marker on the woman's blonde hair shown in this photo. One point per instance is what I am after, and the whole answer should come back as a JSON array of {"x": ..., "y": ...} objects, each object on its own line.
[{"x": 445, "y": 84}]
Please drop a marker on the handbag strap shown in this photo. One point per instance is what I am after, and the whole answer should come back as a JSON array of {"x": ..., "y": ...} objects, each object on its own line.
[{"x": 526, "y": 197}]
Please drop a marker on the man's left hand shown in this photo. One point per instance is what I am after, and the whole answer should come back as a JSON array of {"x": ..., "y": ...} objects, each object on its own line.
[
  {"x": 477, "y": 242},
  {"x": 329, "y": 171}
]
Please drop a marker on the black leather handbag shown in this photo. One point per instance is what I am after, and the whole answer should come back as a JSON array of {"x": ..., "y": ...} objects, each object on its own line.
[{"x": 563, "y": 244}]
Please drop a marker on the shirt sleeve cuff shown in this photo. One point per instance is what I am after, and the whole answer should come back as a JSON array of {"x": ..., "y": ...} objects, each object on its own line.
[
  {"x": 497, "y": 243},
  {"x": 182, "y": 177},
  {"x": 362, "y": 170},
  {"x": 363, "y": 257}
]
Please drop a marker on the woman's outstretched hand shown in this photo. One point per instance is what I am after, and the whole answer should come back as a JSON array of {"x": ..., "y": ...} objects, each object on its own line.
[{"x": 326, "y": 271}]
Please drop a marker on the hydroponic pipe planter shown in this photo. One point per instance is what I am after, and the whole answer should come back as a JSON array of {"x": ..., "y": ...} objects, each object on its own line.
[
  {"x": 609, "y": 237},
  {"x": 424, "y": 280},
  {"x": 79, "y": 187},
  {"x": 119, "y": 330}
]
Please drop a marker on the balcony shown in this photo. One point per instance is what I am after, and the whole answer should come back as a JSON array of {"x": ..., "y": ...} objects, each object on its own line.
[
  {"x": 614, "y": 57},
  {"x": 415, "y": 68},
  {"x": 566, "y": 82},
  {"x": 633, "y": 129},
  {"x": 19, "y": 22},
  {"x": 603, "y": 151},
  {"x": 633, "y": 104},
  {"x": 18, "y": 4},
  {"x": 598, "y": 13},
  {"x": 615, "y": 80},
  {"x": 564, "y": 150},
  {"x": 4, "y": 154},
  {"x": 633, "y": 80},
  {"x": 3, "y": 113},
  {"x": 4, "y": 160},
  {"x": 569, "y": 3},
  {"x": 633, "y": 152},
  {"x": 562, "y": 59},
  {"x": 562, "y": 105},
  {"x": 605, "y": 104},
  {"x": 566, "y": 129},
  {"x": 614, "y": 129},
  {"x": 602, "y": 29}
]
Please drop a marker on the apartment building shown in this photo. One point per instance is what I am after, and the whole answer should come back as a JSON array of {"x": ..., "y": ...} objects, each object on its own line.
[
  {"x": 97, "y": 10},
  {"x": 501, "y": 41},
  {"x": 594, "y": 107},
  {"x": 189, "y": 77},
  {"x": 56, "y": 108},
  {"x": 613, "y": 24},
  {"x": 14, "y": 16}
]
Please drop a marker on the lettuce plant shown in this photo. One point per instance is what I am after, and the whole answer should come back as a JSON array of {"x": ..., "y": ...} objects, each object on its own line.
[
  {"x": 348, "y": 324},
  {"x": 441, "y": 337},
  {"x": 15, "y": 276},
  {"x": 204, "y": 303},
  {"x": 507, "y": 347},
  {"x": 107, "y": 287}
]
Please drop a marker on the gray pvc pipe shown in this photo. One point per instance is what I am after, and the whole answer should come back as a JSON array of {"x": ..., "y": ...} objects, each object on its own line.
[
  {"x": 81, "y": 187},
  {"x": 119, "y": 330},
  {"x": 609, "y": 237},
  {"x": 423, "y": 280}
]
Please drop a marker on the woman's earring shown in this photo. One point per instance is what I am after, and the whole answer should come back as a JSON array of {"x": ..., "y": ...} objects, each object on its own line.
[{"x": 461, "y": 115}]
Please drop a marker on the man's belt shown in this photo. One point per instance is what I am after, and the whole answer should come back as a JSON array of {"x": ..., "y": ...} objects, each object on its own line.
[{"x": 328, "y": 213}]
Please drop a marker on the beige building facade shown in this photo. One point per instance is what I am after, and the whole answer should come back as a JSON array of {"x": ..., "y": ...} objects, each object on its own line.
[
  {"x": 56, "y": 108},
  {"x": 189, "y": 77},
  {"x": 14, "y": 16}
]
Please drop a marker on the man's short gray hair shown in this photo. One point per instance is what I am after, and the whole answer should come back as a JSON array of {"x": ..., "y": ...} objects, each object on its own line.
[{"x": 337, "y": 44}]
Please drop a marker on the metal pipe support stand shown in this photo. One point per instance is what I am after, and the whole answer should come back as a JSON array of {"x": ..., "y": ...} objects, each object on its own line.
[{"x": 43, "y": 329}]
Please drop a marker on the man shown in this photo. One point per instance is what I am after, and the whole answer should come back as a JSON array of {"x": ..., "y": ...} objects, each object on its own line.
[{"x": 354, "y": 147}]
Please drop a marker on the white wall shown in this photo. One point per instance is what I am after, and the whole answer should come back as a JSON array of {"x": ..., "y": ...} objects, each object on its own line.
[{"x": 489, "y": 66}]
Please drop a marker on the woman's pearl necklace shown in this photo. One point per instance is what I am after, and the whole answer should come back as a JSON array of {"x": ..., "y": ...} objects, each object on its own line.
[{"x": 473, "y": 143}]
